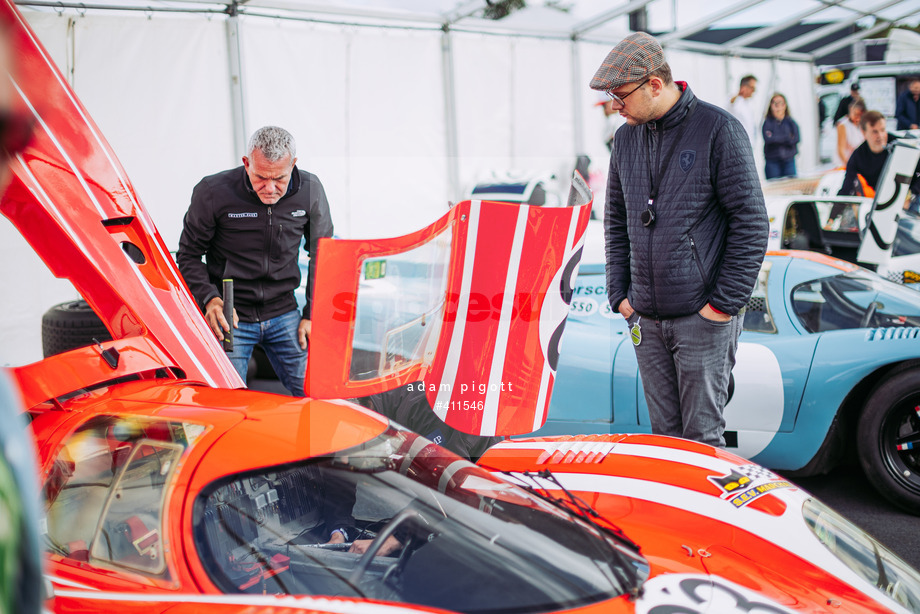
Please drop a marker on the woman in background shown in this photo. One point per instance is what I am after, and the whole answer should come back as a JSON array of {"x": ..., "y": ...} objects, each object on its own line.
[
  {"x": 780, "y": 139},
  {"x": 849, "y": 134}
]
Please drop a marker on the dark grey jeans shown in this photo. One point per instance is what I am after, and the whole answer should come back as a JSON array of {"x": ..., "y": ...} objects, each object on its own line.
[{"x": 685, "y": 364}]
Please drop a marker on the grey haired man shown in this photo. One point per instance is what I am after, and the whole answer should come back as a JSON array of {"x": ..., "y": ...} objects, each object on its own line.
[{"x": 248, "y": 224}]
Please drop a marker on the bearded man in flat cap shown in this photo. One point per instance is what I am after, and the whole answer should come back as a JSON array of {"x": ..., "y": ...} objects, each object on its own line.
[{"x": 685, "y": 232}]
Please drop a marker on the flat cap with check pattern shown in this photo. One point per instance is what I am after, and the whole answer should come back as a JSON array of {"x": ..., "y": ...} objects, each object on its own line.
[{"x": 633, "y": 59}]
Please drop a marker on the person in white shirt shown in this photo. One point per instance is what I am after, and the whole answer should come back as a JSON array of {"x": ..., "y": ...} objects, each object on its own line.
[
  {"x": 849, "y": 135},
  {"x": 742, "y": 106},
  {"x": 612, "y": 119}
]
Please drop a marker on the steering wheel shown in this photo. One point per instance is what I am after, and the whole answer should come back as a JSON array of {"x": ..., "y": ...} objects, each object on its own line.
[
  {"x": 408, "y": 513},
  {"x": 867, "y": 316}
]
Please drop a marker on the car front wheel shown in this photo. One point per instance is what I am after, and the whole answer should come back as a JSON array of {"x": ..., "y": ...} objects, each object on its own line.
[{"x": 888, "y": 439}]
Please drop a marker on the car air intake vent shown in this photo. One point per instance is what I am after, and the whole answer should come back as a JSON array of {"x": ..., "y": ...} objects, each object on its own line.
[
  {"x": 890, "y": 333},
  {"x": 584, "y": 449}
]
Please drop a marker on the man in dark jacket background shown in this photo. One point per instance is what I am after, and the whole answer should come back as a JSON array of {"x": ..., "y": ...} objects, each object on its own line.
[
  {"x": 249, "y": 222},
  {"x": 686, "y": 232},
  {"x": 907, "y": 106}
]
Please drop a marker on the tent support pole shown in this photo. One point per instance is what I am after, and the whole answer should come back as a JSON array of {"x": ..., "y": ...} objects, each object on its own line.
[
  {"x": 235, "y": 65},
  {"x": 577, "y": 100},
  {"x": 450, "y": 114}
]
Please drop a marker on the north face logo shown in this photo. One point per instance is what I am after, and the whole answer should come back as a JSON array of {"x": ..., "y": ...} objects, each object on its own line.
[{"x": 686, "y": 160}]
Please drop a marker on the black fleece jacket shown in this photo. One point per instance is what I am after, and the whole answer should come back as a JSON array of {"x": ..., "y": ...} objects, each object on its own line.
[{"x": 256, "y": 245}]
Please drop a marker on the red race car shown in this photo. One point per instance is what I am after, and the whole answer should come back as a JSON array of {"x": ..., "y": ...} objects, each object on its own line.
[{"x": 167, "y": 488}]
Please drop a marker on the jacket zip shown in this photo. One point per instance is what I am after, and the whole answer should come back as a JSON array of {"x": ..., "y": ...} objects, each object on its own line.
[
  {"x": 651, "y": 230},
  {"x": 265, "y": 262},
  {"x": 699, "y": 264}
]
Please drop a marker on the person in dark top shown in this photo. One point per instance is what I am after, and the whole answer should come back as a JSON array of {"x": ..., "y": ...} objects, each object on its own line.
[
  {"x": 780, "y": 139},
  {"x": 907, "y": 108},
  {"x": 685, "y": 231},
  {"x": 248, "y": 223},
  {"x": 869, "y": 159},
  {"x": 843, "y": 107}
]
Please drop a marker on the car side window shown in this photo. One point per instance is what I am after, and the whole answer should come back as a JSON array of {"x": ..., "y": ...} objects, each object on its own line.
[
  {"x": 131, "y": 528},
  {"x": 106, "y": 491}
]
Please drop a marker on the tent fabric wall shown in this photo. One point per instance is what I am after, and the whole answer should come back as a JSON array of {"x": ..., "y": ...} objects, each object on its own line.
[
  {"x": 370, "y": 125},
  {"x": 514, "y": 106},
  {"x": 367, "y": 105}
]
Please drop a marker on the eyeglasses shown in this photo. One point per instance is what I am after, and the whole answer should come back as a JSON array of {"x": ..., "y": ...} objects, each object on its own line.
[
  {"x": 16, "y": 130},
  {"x": 620, "y": 100}
]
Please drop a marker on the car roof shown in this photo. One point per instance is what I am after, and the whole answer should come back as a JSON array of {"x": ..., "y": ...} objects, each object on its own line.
[
  {"x": 820, "y": 258},
  {"x": 247, "y": 429}
]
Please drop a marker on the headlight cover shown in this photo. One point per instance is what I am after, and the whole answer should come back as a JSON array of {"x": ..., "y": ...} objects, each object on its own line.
[{"x": 864, "y": 555}]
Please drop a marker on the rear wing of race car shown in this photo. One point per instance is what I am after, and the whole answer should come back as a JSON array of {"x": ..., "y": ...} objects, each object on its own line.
[{"x": 882, "y": 219}]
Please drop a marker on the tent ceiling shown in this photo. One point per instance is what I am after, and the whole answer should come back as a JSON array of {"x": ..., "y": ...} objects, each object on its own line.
[{"x": 808, "y": 29}]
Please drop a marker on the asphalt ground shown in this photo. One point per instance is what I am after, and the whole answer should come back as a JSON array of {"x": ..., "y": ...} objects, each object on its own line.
[{"x": 848, "y": 491}]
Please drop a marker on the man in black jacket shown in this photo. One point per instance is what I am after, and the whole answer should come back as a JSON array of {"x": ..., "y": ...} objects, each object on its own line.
[
  {"x": 843, "y": 107},
  {"x": 686, "y": 232},
  {"x": 864, "y": 168},
  {"x": 249, "y": 222}
]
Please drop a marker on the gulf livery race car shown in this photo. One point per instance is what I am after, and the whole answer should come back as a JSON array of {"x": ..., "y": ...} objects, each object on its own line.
[
  {"x": 167, "y": 488},
  {"x": 828, "y": 363}
]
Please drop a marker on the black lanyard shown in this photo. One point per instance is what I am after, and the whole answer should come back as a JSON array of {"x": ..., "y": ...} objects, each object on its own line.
[{"x": 655, "y": 182}]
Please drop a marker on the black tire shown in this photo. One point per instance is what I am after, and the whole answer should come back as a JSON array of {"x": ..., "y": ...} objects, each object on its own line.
[
  {"x": 891, "y": 418},
  {"x": 71, "y": 325}
]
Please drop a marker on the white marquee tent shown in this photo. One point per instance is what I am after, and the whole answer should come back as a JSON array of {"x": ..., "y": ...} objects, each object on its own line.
[{"x": 399, "y": 106}]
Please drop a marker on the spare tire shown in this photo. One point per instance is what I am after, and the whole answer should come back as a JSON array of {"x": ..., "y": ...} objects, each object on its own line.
[{"x": 71, "y": 325}]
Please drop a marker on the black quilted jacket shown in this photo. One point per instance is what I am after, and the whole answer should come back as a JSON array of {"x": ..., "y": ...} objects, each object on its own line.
[{"x": 710, "y": 231}]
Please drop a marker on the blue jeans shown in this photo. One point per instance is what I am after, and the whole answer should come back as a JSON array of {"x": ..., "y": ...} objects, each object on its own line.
[
  {"x": 686, "y": 364},
  {"x": 779, "y": 168},
  {"x": 278, "y": 337}
]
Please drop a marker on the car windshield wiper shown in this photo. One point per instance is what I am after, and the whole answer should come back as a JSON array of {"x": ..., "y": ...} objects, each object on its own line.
[{"x": 624, "y": 567}]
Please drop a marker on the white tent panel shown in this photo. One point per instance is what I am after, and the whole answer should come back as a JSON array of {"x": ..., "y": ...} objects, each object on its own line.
[
  {"x": 299, "y": 80},
  {"x": 370, "y": 125},
  {"x": 543, "y": 103},
  {"x": 397, "y": 136},
  {"x": 514, "y": 106},
  {"x": 159, "y": 90},
  {"x": 486, "y": 117}
]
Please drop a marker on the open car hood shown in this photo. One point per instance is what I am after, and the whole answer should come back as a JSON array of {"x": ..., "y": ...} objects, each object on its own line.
[
  {"x": 471, "y": 308},
  {"x": 72, "y": 201}
]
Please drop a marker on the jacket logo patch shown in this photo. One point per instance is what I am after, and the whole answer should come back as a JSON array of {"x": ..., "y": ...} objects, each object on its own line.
[
  {"x": 299, "y": 213},
  {"x": 686, "y": 159},
  {"x": 251, "y": 214}
]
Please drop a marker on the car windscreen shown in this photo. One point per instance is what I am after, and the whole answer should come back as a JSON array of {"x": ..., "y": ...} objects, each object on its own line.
[
  {"x": 907, "y": 239},
  {"x": 402, "y": 520},
  {"x": 859, "y": 299}
]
